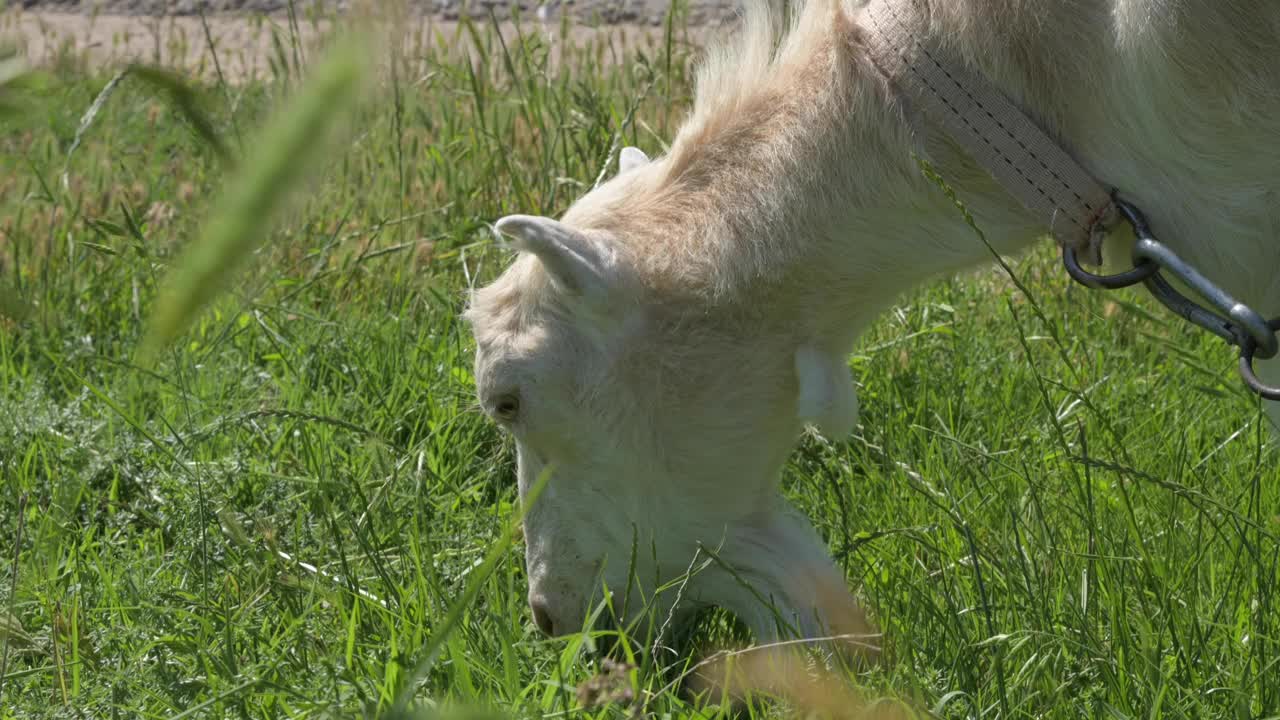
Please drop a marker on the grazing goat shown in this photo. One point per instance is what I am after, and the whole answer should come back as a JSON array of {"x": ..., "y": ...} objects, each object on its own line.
[{"x": 661, "y": 346}]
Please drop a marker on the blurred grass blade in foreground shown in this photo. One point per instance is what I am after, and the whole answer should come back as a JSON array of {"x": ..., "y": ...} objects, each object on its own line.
[
  {"x": 14, "y": 76},
  {"x": 12, "y": 306},
  {"x": 278, "y": 159},
  {"x": 12, "y": 68},
  {"x": 184, "y": 99},
  {"x": 17, "y": 83}
]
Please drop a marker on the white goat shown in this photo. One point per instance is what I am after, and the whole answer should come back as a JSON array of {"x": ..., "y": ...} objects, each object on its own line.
[{"x": 661, "y": 347}]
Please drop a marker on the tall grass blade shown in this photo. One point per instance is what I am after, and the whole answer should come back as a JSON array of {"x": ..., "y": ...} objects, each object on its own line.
[{"x": 87, "y": 119}]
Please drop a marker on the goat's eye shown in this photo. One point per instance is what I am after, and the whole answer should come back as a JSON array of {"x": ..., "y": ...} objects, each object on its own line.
[{"x": 507, "y": 407}]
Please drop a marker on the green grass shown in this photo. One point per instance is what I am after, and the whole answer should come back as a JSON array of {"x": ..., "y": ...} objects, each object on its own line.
[{"x": 1059, "y": 504}]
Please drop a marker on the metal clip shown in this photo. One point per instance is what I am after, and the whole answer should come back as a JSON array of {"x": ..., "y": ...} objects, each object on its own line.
[{"x": 1233, "y": 321}]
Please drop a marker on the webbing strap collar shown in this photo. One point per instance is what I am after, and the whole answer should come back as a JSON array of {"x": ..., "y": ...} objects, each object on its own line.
[{"x": 1030, "y": 165}]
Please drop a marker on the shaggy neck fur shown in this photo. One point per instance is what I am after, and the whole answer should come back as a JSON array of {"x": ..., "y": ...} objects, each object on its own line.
[{"x": 794, "y": 199}]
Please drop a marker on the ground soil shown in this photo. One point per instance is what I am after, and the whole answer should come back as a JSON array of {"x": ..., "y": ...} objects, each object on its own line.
[
  {"x": 609, "y": 11},
  {"x": 244, "y": 39}
]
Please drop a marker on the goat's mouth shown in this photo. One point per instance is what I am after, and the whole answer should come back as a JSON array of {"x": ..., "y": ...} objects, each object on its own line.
[
  {"x": 674, "y": 639},
  {"x": 671, "y": 645},
  {"x": 709, "y": 629}
]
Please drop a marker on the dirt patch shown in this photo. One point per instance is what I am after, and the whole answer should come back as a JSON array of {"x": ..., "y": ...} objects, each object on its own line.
[
  {"x": 651, "y": 12},
  {"x": 246, "y": 45}
]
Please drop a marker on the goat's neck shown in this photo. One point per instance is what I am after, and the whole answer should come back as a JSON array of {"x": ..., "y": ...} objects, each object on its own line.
[{"x": 866, "y": 224}]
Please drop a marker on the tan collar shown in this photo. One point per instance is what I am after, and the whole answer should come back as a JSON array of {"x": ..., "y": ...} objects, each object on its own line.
[{"x": 1029, "y": 164}]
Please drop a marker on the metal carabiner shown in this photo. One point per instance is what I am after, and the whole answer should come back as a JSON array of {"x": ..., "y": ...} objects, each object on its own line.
[{"x": 1233, "y": 321}]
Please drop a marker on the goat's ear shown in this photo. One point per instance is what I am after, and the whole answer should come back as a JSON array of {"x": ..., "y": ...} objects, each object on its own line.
[
  {"x": 578, "y": 265},
  {"x": 827, "y": 398},
  {"x": 631, "y": 158}
]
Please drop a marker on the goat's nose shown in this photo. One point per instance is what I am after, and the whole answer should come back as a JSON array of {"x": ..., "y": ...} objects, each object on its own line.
[{"x": 542, "y": 618}]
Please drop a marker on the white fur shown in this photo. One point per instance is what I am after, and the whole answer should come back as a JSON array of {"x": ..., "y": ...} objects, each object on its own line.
[{"x": 789, "y": 211}]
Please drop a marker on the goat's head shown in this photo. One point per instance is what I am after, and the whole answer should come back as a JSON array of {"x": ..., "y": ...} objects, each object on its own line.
[{"x": 662, "y": 423}]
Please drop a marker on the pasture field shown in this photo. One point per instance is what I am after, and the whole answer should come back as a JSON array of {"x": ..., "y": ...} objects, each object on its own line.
[{"x": 1058, "y": 503}]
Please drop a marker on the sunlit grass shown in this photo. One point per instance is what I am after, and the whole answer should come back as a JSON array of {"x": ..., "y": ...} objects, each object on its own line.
[{"x": 1057, "y": 505}]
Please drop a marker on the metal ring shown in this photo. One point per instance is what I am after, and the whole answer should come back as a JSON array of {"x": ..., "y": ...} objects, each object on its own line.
[
  {"x": 1134, "y": 216},
  {"x": 1269, "y": 392},
  {"x": 1140, "y": 272}
]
